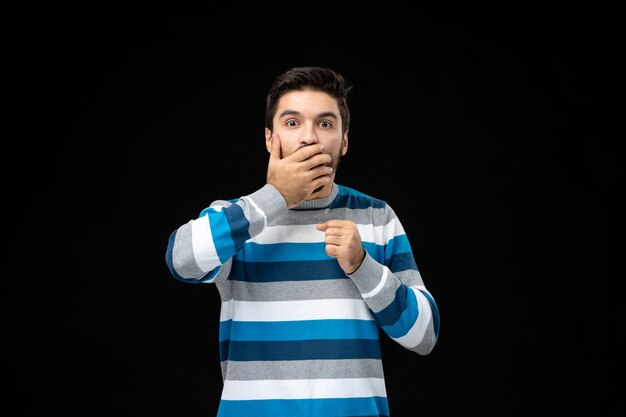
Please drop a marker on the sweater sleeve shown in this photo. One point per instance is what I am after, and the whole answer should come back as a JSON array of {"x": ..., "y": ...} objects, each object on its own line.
[
  {"x": 200, "y": 251},
  {"x": 395, "y": 293}
]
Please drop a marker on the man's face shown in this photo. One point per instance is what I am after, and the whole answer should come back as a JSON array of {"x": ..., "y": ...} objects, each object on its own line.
[{"x": 306, "y": 117}]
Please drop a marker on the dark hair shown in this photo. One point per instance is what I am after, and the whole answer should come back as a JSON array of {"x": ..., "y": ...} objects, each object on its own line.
[{"x": 313, "y": 78}]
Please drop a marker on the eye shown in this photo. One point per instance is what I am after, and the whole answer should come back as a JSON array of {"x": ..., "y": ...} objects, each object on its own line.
[
  {"x": 291, "y": 123},
  {"x": 325, "y": 124}
]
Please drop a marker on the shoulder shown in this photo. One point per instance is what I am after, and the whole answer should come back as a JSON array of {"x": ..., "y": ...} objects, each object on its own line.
[
  {"x": 218, "y": 205},
  {"x": 351, "y": 198}
]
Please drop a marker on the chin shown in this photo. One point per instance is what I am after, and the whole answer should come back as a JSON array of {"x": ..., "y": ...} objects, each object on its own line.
[{"x": 319, "y": 192}]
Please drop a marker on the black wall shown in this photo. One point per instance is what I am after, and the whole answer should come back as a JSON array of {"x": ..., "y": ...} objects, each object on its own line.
[{"x": 493, "y": 132}]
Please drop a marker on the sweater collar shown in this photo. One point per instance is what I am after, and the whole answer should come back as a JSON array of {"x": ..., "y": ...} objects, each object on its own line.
[{"x": 319, "y": 203}]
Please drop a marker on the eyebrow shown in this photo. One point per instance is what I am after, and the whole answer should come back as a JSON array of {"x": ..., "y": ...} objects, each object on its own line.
[{"x": 297, "y": 113}]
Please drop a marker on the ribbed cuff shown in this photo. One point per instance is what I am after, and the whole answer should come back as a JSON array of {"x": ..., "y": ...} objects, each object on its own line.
[
  {"x": 368, "y": 275},
  {"x": 270, "y": 201}
]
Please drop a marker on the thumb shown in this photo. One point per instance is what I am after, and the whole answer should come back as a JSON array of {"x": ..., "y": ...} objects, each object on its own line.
[
  {"x": 275, "y": 150},
  {"x": 322, "y": 227}
]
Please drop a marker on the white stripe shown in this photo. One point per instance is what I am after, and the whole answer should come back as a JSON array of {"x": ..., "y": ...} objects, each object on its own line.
[
  {"x": 292, "y": 234},
  {"x": 379, "y": 286},
  {"x": 381, "y": 235},
  {"x": 308, "y": 233},
  {"x": 341, "y": 308},
  {"x": 204, "y": 250},
  {"x": 256, "y": 208},
  {"x": 415, "y": 335},
  {"x": 303, "y": 388}
]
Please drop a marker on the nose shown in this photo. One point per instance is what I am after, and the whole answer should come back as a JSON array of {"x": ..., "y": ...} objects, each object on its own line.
[{"x": 309, "y": 136}]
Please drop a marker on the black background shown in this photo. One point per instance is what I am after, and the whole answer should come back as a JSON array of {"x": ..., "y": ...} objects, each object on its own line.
[{"x": 493, "y": 131}]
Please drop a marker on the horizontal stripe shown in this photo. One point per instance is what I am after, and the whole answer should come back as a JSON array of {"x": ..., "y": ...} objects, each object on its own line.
[
  {"x": 369, "y": 216},
  {"x": 308, "y": 233},
  {"x": 288, "y": 290},
  {"x": 398, "y": 245},
  {"x": 407, "y": 318},
  {"x": 310, "y": 269},
  {"x": 303, "y": 388},
  {"x": 204, "y": 252},
  {"x": 238, "y": 224},
  {"x": 294, "y": 310},
  {"x": 411, "y": 278},
  {"x": 283, "y": 252},
  {"x": 300, "y": 350},
  {"x": 256, "y": 208},
  {"x": 222, "y": 236},
  {"x": 434, "y": 309},
  {"x": 298, "y": 330},
  {"x": 286, "y": 271},
  {"x": 302, "y": 369},
  {"x": 352, "y": 199},
  {"x": 312, "y": 251},
  {"x": 305, "y": 233},
  {"x": 391, "y": 314},
  {"x": 335, "y": 407},
  {"x": 415, "y": 335},
  {"x": 400, "y": 262}
]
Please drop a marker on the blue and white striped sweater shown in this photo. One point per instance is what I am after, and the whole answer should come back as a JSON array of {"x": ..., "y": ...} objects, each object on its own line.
[{"x": 297, "y": 335}]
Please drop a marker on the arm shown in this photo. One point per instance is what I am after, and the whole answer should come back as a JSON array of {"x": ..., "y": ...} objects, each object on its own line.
[
  {"x": 406, "y": 312},
  {"x": 393, "y": 290},
  {"x": 201, "y": 249}
]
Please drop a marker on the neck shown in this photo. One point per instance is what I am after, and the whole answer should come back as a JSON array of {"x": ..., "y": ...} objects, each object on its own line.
[{"x": 321, "y": 200}]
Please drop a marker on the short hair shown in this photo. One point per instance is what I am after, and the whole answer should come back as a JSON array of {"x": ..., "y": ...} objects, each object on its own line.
[{"x": 314, "y": 78}]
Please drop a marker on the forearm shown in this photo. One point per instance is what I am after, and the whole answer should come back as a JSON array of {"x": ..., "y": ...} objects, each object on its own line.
[
  {"x": 199, "y": 248},
  {"x": 408, "y": 314}
]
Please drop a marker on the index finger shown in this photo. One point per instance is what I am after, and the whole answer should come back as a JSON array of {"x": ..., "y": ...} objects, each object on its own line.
[
  {"x": 307, "y": 151},
  {"x": 335, "y": 224}
]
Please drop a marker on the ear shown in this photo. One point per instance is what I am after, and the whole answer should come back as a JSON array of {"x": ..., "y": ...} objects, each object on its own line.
[
  {"x": 344, "y": 144},
  {"x": 268, "y": 140}
]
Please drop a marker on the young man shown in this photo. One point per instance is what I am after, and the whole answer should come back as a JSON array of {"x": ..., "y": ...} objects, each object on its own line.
[{"x": 308, "y": 270}]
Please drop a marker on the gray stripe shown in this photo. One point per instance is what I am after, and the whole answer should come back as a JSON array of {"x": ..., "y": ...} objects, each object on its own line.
[
  {"x": 314, "y": 369},
  {"x": 182, "y": 254},
  {"x": 428, "y": 342},
  {"x": 368, "y": 276},
  {"x": 386, "y": 295},
  {"x": 411, "y": 278},
  {"x": 368, "y": 216},
  {"x": 288, "y": 290},
  {"x": 222, "y": 274}
]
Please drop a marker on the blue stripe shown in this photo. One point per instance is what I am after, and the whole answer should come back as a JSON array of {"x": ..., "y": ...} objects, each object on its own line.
[
  {"x": 375, "y": 251},
  {"x": 300, "y": 350},
  {"x": 298, "y": 330},
  {"x": 397, "y": 245},
  {"x": 281, "y": 252},
  {"x": 391, "y": 314},
  {"x": 316, "y": 251},
  {"x": 401, "y": 262},
  {"x": 435, "y": 310},
  {"x": 317, "y": 407},
  {"x": 286, "y": 271},
  {"x": 222, "y": 237},
  {"x": 239, "y": 224},
  {"x": 352, "y": 199},
  {"x": 407, "y": 318}
]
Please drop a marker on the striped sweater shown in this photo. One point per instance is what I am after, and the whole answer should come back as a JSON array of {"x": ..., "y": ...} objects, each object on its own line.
[{"x": 299, "y": 337}]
